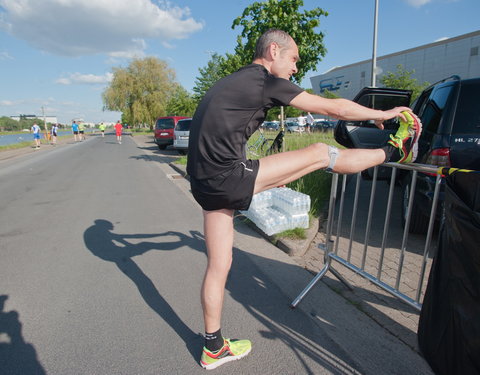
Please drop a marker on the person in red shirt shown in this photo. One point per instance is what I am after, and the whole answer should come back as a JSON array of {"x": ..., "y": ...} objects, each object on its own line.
[{"x": 118, "y": 131}]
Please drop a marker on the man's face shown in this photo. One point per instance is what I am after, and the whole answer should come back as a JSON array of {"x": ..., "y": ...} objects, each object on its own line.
[{"x": 285, "y": 61}]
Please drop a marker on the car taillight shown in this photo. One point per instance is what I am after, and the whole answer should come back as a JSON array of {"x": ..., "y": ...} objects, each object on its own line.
[{"x": 439, "y": 157}]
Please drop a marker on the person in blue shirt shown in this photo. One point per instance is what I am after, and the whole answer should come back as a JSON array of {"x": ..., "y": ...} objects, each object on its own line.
[{"x": 75, "y": 131}]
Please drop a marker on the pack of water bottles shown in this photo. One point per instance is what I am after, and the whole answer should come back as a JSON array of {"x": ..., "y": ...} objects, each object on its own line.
[{"x": 279, "y": 209}]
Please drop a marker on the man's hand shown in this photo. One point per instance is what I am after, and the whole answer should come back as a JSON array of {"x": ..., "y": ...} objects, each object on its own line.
[{"x": 392, "y": 113}]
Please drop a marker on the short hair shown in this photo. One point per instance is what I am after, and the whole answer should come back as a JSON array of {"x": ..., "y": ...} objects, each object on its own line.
[{"x": 280, "y": 37}]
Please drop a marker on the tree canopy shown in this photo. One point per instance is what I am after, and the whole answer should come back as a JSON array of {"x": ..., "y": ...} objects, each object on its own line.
[
  {"x": 287, "y": 16},
  {"x": 141, "y": 91},
  {"x": 402, "y": 79},
  {"x": 182, "y": 103},
  {"x": 9, "y": 124},
  {"x": 218, "y": 67}
]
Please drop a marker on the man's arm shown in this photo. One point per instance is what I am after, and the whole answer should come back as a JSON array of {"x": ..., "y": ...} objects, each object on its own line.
[{"x": 344, "y": 109}]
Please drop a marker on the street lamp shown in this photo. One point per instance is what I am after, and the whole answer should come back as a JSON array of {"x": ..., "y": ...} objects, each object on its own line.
[{"x": 374, "y": 53}]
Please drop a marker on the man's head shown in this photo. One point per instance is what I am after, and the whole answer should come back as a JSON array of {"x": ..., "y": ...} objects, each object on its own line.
[{"x": 278, "y": 52}]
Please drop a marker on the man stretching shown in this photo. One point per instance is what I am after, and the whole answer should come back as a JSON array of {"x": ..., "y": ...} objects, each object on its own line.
[{"x": 223, "y": 179}]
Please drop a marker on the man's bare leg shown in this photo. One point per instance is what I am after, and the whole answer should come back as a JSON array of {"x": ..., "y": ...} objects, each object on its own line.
[
  {"x": 280, "y": 169},
  {"x": 218, "y": 227},
  {"x": 218, "y": 230}
]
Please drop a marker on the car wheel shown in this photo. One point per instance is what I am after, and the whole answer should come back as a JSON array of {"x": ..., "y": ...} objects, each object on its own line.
[{"x": 418, "y": 221}]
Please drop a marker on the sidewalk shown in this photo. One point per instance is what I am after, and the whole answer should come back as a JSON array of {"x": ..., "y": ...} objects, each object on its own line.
[{"x": 18, "y": 152}]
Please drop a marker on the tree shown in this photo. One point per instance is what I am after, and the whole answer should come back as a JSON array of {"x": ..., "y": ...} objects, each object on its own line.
[
  {"x": 402, "y": 79},
  {"x": 141, "y": 91},
  {"x": 329, "y": 95},
  {"x": 9, "y": 124},
  {"x": 285, "y": 15},
  {"x": 208, "y": 75},
  {"x": 181, "y": 103},
  {"x": 218, "y": 67}
]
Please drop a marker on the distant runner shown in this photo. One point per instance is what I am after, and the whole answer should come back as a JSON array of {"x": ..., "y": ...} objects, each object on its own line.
[
  {"x": 81, "y": 130},
  {"x": 102, "y": 128},
  {"x": 36, "y": 135},
  {"x": 118, "y": 131},
  {"x": 75, "y": 131},
  {"x": 53, "y": 133}
]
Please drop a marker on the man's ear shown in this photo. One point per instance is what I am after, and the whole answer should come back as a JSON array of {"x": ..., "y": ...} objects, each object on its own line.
[{"x": 273, "y": 49}]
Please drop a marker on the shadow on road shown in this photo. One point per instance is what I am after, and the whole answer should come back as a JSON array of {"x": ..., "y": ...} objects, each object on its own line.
[
  {"x": 112, "y": 247},
  {"x": 155, "y": 154},
  {"x": 16, "y": 355},
  {"x": 246, "y": 283}
]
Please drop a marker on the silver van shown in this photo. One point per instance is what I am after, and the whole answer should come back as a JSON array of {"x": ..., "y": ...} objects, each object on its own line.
[{"x": 180, "y": 135}]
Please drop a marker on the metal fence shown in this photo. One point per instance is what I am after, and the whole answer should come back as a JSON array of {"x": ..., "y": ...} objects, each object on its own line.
[{"x": 358, "y": 256}]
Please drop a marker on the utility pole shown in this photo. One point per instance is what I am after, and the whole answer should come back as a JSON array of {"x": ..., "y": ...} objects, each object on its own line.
[
  {"x": 374, "y": 54},
  {"x": 45, "y": 125},
  {"x": 282, "y": 126}
]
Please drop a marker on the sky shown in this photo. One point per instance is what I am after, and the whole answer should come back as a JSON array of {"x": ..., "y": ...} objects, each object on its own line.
[{"x": 57, "y": 56}]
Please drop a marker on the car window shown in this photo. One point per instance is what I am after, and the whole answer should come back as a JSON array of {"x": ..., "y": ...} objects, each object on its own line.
[
  {"x": 165, "y": 123},
  {"x": 467, "y": 117},
  {"x": 432, "y": 110},
  {"x": 183, "y": 125},
  {"x": 382, "y": 102}
]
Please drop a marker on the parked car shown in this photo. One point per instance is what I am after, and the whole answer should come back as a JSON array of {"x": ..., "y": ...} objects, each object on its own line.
[
  {"x": 163, "y": 132},
  {"x": 450, "y": 115},
  {"x": 293, "y": 127},
  {"x": 271, "y": 125},
  {"x": 322, "y": 125},
  {"x": 180, "y": 135}
]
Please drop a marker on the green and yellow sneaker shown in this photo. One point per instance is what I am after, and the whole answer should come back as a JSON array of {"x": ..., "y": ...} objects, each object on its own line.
[
  {"x": 231, "y": 351},
  {"x": 406, "y": 138}
]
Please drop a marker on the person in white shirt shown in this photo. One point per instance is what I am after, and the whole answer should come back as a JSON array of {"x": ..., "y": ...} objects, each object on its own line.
[
  {"x": 310, "y": 122},
  {"x": 54, "y": 134},
  {"x": 36, "y": 135}
]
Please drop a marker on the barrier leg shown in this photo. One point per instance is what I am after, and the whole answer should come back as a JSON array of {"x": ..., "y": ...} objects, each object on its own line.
[
  {"x": 329, "y": 245},
  {"x": 312, "y": 283}
]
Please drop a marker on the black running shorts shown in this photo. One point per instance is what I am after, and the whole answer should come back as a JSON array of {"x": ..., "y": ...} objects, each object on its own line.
[{"x": 230, "y": 190}]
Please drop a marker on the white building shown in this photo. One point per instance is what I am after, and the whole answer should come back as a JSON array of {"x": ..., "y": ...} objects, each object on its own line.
[{"x": 432, "y": 62}]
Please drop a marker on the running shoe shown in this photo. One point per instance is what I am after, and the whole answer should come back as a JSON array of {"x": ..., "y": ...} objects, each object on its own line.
[
  {"x": 406, "y": 138},
  {"x": 231, "y": 351}
]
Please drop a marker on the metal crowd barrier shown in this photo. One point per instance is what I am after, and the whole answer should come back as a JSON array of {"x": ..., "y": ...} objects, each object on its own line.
[{"x": 331, "y": 247}]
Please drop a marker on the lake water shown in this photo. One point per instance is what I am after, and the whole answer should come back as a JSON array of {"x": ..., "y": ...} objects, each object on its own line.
[{"x": 11, "y": 139}]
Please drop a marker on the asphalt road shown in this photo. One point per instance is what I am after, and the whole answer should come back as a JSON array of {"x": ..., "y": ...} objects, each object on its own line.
[{"x": 101, "y": 260}]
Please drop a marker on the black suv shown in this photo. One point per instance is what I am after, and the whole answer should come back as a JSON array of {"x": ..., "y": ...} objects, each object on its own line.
[{"x": 450, "y": 114}]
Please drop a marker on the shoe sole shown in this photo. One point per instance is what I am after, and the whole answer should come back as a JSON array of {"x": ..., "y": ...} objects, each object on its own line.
[
  {"x": 418, "y": 130},
  {"x": 225, "y": 360}
]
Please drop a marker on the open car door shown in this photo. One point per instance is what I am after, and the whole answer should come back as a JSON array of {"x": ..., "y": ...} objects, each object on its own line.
[{"x": 364, "y": 134}]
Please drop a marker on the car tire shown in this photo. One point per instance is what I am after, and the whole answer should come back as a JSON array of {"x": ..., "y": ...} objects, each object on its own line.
[{"x": 418, "y": 221}]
